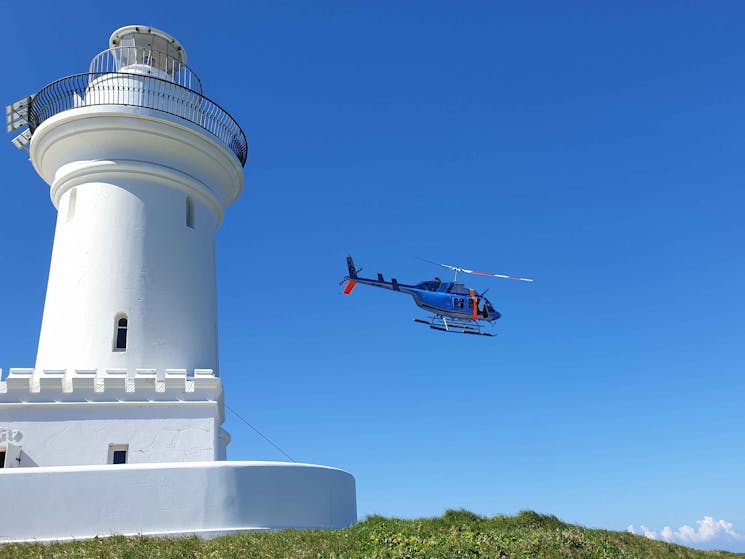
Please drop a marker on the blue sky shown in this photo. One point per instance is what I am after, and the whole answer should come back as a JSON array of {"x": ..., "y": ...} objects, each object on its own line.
[{"x": 594, "y": 147}]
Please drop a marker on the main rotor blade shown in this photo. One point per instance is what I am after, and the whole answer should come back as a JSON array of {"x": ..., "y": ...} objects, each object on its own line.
[
  {"x": 448, "y": 266},
  {"x": 497, "y": 275},
  {"x": 465, "y": 271}
]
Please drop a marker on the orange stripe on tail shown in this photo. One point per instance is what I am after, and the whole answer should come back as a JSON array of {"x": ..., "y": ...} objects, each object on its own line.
[{"x": 349, "y": 287}]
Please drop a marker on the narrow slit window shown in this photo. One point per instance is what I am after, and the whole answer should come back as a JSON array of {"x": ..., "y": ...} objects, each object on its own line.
[
  {"x": 120, "y": 342},
  {"x": 71, "y": 204},
  {"x": 189, "y": 212}
]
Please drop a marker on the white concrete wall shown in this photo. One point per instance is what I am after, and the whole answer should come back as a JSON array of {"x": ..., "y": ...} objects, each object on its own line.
[
  {"x": 207, "y": 499},
  {"x": 123, "y": 247},
  {"x": 72, "y": 417},
  {"x": 67, "y": 433},
  {"x": 127, "y": 250}
]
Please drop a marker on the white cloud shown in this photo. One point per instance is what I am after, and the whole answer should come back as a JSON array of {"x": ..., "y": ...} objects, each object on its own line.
[
  {"x": 642, "y": 531},
  {"x": 708, "y": 529}
]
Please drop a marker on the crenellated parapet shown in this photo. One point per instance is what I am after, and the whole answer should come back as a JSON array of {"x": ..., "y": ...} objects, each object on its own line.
[{"x": 110, "y": 385}]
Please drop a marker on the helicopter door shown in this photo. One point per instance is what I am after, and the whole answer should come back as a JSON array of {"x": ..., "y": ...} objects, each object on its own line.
[{"x": 459, "y": 303}]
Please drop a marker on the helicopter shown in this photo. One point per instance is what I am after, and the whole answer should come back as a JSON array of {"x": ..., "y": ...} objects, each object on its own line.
[{"x": 454, "y": 307}]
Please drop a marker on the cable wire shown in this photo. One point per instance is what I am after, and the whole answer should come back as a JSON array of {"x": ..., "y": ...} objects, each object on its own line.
[{"x": 263, "y": 436}]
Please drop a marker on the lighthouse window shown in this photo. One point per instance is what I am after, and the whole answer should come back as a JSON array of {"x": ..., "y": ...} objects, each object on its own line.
[
  {"x": 118, "y": 453},
  {"x": 120, "y": 343},
  {"x": 189, "y": 212},
  {"x": 71, "y": 204}
]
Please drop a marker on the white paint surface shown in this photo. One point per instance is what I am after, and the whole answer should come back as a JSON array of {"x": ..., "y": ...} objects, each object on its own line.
[
  {"x": 127, "y": 249},
  {"x": 74, "y": 417},
  {"x": 205, "y": 498},
  {"x": 63, "y": 434}
]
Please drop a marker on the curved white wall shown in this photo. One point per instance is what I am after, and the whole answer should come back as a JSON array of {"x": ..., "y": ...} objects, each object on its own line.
[
  {"x": 127, "y": 250},
  {"x": 203, "y": 498},
  {"x": 120, "y": 178}
]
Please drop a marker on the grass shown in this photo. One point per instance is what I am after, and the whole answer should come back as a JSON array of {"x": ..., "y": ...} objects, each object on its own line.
[{"x": 456, "y": 534}]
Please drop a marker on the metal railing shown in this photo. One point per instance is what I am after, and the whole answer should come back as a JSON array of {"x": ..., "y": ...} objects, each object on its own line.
[
  {"x": 162, "y": 65},
  {"x": 137, "y": 90}
]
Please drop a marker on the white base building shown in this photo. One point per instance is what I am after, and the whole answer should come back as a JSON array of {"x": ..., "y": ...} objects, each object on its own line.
[{"x": 117, "y": 429}]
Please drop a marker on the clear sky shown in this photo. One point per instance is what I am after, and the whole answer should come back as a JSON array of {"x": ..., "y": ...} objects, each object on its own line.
[{"x": 596, "y": 147}]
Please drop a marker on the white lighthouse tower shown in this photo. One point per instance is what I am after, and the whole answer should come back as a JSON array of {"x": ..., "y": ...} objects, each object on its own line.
[{"x": 117, "y": 428}]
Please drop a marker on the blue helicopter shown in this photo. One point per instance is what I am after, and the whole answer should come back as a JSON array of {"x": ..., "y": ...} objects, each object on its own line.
[{"x": 454, "y": 307}]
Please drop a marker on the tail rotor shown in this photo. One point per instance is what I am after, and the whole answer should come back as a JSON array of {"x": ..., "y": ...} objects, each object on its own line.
[{"x": 352, "y": 276}]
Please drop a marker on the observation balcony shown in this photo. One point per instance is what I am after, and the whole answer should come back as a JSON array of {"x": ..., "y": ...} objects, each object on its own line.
[{"x": 132, "y": 76}]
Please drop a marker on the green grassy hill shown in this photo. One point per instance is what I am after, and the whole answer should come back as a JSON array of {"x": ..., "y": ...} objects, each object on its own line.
[{"x": 457, "y": 534}]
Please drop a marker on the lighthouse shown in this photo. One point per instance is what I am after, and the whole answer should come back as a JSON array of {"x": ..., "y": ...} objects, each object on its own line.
[{"x": 118, "y": 426}]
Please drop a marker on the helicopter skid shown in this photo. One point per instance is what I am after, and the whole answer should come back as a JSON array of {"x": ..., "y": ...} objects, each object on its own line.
[{"x": 454, "y": 325}]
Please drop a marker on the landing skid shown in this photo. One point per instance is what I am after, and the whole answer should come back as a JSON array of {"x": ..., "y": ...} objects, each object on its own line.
[{"x": 454, "y": 325}]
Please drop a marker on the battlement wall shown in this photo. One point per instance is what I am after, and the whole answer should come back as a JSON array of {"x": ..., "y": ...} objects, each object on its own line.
[
  {"x": 69, "y": 417},
  {"x": 106, "y": 385}
]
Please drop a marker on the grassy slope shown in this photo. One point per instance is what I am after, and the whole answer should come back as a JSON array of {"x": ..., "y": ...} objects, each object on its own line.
[{"x": 457, "y": 534}]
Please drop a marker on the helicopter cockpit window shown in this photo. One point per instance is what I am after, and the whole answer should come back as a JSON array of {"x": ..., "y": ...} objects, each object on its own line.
[{"x": 429, "y": 285}]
